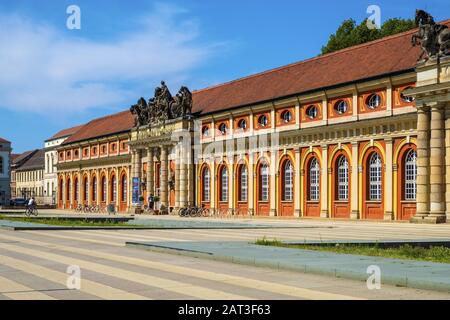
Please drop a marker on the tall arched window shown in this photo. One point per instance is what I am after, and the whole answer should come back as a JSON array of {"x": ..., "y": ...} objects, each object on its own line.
[
  {"x": 206, "y": 185},
  {"x": 224, "y": 184},
  {"x": 103, "y": 189},
  {"x": 75, "y": 185},
  {"x": 94, "y": 189},
  {"x": 375, "y": 172},
  {"x": 113, "y": 188},
  {"x": 342, "y": 178},
  {"x": 410, "y": 175},
  {"x": 85, "y": 189},
  {"x": 123, "y": 188},
  {"x": 314, "y": 180},
  {"x": 61, "y": 186},
  {"x": 68, "y": 189},
  {"x": 264, "y": 182},
  {"x": 288, "y": 181},
  {"x": 243, "y": 183}
]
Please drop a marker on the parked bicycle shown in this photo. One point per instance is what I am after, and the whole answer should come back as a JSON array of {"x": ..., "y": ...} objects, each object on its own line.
[{"x": 194, "y": 212}]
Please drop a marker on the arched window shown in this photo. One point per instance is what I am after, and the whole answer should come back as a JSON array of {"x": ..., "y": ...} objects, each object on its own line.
[
  {"x": 224, "y": 184},
  {"x": 243, "y": 183},
  {"x": 286, "y": 116},
  {"x": 61, "y": 184},
  {"x": 75, "y": 185},
  {"x": 94, "y": 189},
  {"x": 373, "y": 101},
  {"x": 264, "y": 182},
  {"x": 103, "y": 189},
  {"x": 242, "y": 124},
  {"x": 123, "y": 188},
  {"x": 341, "y": 106},
  {"x": 113, "y": 188},
  {"x": 410, "y": 175},
  {"x": 288, "y": 181},
  {"x": 312, "y": 112},
  {"x": 2, "y": 165},
  {"x": 206, "y": 185},
  {"x": 68, "y": 189},
  {"x": 375, "y": 171},
  {"x": 223, "y": 128},
  {"x": 263, "y": 121},
  {"x": 342, "y": 178},
  {"x": 314, "y": 180},
  {"x": 85, "y": 189}
]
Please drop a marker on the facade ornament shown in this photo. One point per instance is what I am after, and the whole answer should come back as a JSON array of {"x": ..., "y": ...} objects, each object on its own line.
[
  {"x": 162, "y": 107},
  {"x": 433, "y": 38}
]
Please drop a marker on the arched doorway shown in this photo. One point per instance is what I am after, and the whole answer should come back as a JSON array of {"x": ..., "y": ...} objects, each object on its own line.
[
  {"x": 241, "y": 188},
  {"x": 286, "y": 187},
  {"x": 263, "y": 188},
  {"x": 373, "y": 185},
  {"x": 340, "y": 191},
  {"x": 407, "y": 182},
  {"x": 312, "y": 186}
]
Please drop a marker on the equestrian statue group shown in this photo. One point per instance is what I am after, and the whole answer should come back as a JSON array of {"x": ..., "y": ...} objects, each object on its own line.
[
  {"x": 162, "y": 107},
  {"x": 433, "y": 38}
]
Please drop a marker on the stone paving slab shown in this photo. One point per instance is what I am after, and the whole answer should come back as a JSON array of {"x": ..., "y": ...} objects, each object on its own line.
[
  {"x": 407, "y": 273},
  {"x": 147, "y": 224}
]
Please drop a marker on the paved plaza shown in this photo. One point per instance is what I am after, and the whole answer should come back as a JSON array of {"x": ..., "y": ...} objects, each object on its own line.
[{"x": 33, "y": 264}]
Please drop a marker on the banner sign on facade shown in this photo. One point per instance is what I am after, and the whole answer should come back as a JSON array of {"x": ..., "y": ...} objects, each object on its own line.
[{"x": 136, "y": 184}]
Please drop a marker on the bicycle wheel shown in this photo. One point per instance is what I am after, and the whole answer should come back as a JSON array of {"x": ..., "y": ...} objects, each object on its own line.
[
  {"x": 205, "y": 213},
  {"x": 35, "y": 212}
]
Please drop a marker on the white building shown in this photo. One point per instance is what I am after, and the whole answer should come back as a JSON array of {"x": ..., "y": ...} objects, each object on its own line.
[
  {"x": 5, "y": 171},
  {"x": 51, "y": 159}
]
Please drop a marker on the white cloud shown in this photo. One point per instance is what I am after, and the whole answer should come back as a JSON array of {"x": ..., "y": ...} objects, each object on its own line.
[{"x": 43, "y": 69}]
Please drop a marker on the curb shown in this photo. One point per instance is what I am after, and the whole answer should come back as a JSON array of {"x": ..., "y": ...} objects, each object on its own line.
[{"x": 399, "y": 281}]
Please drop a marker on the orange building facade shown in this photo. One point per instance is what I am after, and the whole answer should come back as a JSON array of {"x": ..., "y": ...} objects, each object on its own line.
[{"x": 330, "y": 137}]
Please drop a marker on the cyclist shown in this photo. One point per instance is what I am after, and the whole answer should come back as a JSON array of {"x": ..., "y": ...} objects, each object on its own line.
[{"x": 31, "y": 205}]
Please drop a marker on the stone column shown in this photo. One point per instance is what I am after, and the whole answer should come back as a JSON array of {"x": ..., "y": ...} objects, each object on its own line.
[
  {"x": 423, "y": 160},
  {"x": 164, "y": 177},
  {"x": 190, "y": 178},
  {"x": 437, "y": 166},
  {"x": 355, "y": 182},
  {"x": 388, "y": 187},
  {"x": 297, "y": 198},
  {"x": 177, "y": 177},
  {"x": 183, "y": 167},
  {"x": 150, "y": 172},
  {"x": 447, "y": 167},
  {"x": 324, "y": 184}
]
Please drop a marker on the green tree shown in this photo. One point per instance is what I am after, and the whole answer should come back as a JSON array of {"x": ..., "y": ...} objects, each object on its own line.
[{"x": 350, "y": 34}]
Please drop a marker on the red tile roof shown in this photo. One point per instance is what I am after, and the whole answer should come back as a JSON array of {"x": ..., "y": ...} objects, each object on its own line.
[
  {"x": 390, "y": 55},
  {"x": 4, "y": 140},
  {"x": 380, "y": 57},
  {"x": 65, "y": 133},
  {"x": 112, "y": 124}
]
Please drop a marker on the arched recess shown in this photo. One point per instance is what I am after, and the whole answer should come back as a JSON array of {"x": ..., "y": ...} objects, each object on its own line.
[
  {"x": 311, "y": 181},
  {"x": 103, "y": 189},
  {"x": 286, "y": 195},
  {"x": 241, "y": 187},
  {"x": 123, "y": 191},
  {"x": 68, "y": 192},
  {"x": 94, "y": 189},
  {"x": 85, "y": 190},
  {"x": 340, "y": 185},
  {"x": 263, "y": 187},
  {"x": 373, "y": 175},
  {"x": 223, "y": 186},
  {"x": 113, "y": 188},
  {"x": 75, "y": 190},
  {"x": 205, "y": 186},
  {"x": 406, "y": 181},
  {"x": 61, "y": 192}
]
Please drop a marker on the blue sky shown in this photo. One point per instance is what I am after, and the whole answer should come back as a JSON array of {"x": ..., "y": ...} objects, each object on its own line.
[{"x": 52, "y": 78}]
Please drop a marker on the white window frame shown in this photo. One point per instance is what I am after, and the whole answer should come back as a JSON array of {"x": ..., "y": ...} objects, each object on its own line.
[
  {"x": 288, "y": 181},
  {"x": 375, "y": 177},
  {"x": 343, "y": 179},
  {"x": 243, "y": 182},
  {"x": 206, "y": 185},
  {"x": 224, "y": 184},
  {"x": 410, "y": 169},
  {"x": 314, "y": 180}
]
